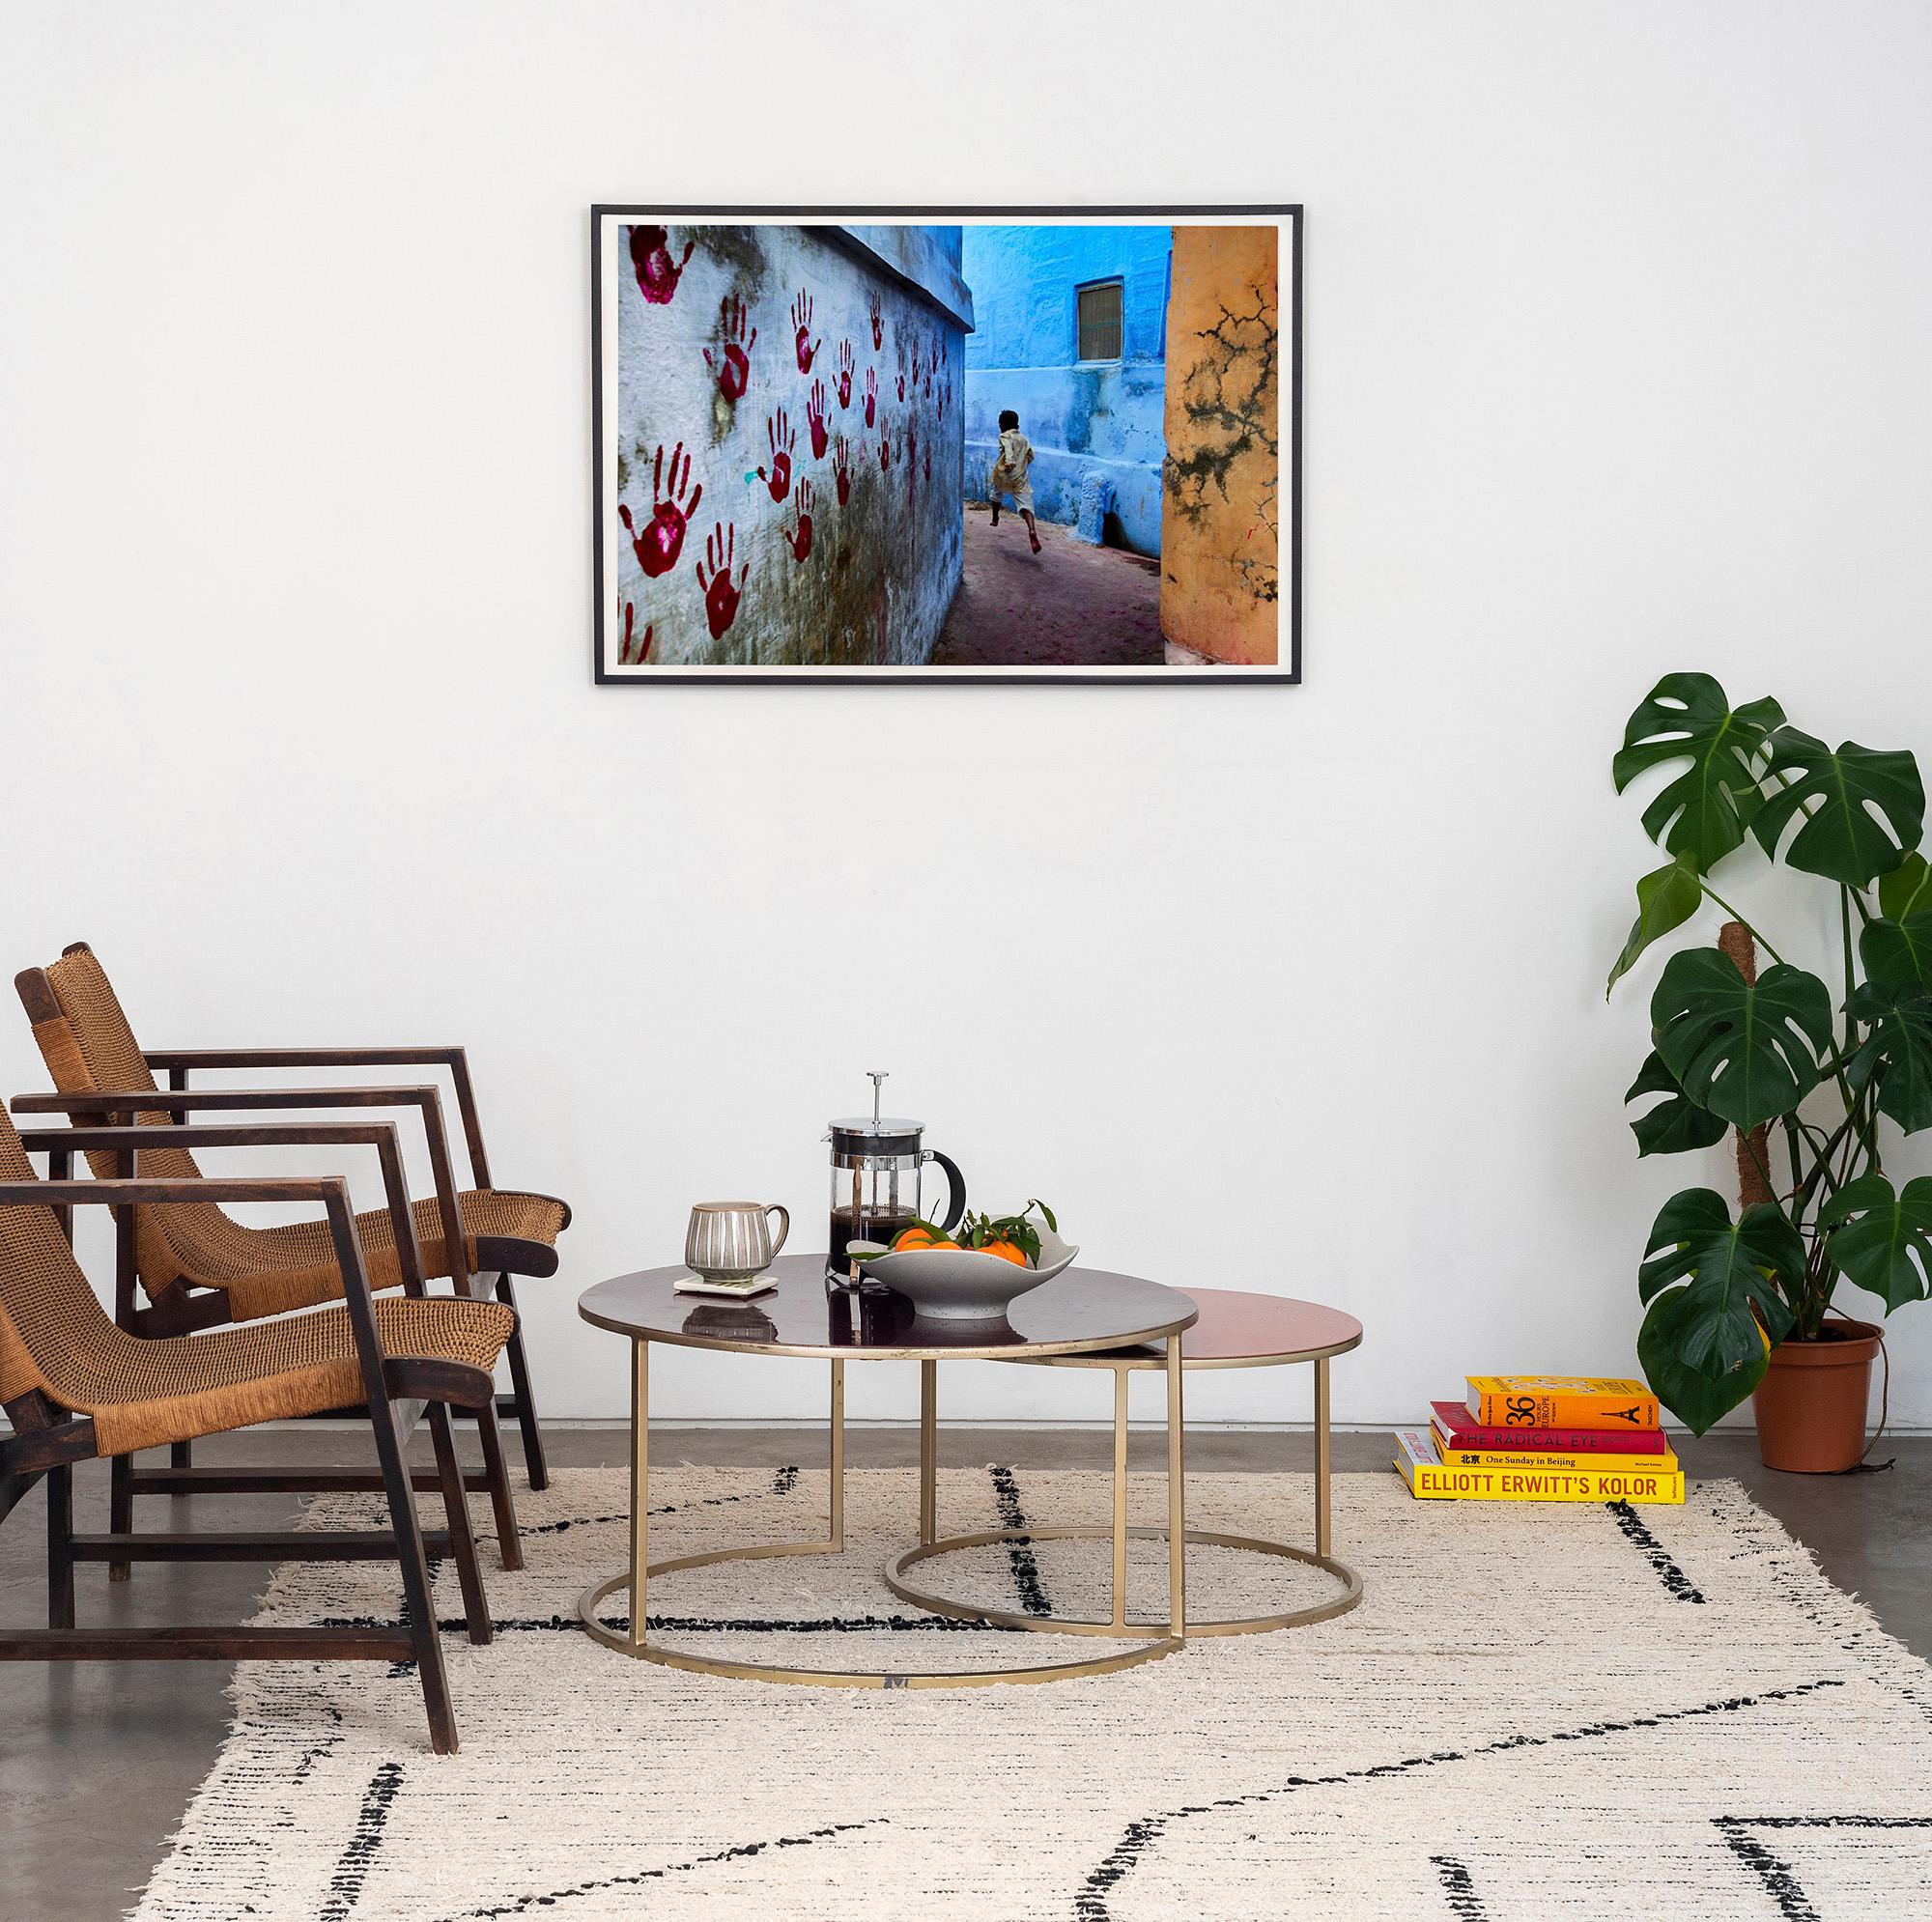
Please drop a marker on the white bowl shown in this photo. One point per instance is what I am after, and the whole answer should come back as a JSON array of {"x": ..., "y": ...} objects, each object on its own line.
[{"x": 963, "y": 1284}]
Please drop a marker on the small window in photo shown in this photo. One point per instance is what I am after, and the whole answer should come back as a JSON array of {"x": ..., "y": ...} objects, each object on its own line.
[{"x": 1097, "y": 313}]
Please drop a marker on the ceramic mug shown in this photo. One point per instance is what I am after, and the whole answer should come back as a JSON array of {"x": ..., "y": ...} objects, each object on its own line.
[{"x": 729, "y": 1241}]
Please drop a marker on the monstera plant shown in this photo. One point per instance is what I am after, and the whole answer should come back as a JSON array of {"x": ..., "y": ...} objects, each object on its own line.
[{"x": 1819, "y": 1079}]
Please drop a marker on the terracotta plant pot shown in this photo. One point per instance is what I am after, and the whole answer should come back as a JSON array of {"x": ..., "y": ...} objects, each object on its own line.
[{"x": 1811, "y": 1404}]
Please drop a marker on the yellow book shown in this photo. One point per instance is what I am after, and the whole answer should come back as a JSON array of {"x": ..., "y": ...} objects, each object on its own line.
[
  {"x": 1561, "y": 1401},
  {"x": 1431, "y": 1480},
  {"x": 1666, "y": 1464}
]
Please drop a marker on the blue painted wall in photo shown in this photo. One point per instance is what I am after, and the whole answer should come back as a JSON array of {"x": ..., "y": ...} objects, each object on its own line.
[{"x": 1084, "y": 419}]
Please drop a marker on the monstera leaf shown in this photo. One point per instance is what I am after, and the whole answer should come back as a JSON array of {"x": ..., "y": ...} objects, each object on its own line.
[
  {"x": 1690, "y": 1394},
  {"x": 1747, "y": 1052},
  {"x": 1899, "y": 1046},
  {"x": 1907, "y": 890},
  {"x": 1897, "y": 955},
  {"x": 1666, "y": 898},
  {"x": 1861, "y": 810},
  {"x": 1703, "y": 814},
  {"x": 1713, "y": 1308},
  {"x": 1672, "y": 1126},
  {"x": 1882, "y": 1239}
]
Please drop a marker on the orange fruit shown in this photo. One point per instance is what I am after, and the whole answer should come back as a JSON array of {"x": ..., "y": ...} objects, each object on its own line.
[
  {"x": 913, "y": 1238},
  {"x": 1007, "y": 1251}
]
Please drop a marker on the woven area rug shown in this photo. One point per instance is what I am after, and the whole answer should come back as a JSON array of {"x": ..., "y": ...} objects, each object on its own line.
[{"x": 1534, "y": 1712}]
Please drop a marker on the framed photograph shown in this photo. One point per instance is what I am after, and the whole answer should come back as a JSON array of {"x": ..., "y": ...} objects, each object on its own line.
[{"x": 947, "y": 444}]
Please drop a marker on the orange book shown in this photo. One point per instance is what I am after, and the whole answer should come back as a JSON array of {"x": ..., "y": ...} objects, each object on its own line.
[{"x": 1561, "y": 1401}]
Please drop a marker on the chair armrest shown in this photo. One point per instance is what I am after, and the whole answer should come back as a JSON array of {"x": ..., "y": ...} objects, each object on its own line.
[
  {"x": 183, "y": 1101},
  {"x": 330, "y": 1190},
  {"x": 178, "y": 1061},
  {"x": 379, "y": 1135}
]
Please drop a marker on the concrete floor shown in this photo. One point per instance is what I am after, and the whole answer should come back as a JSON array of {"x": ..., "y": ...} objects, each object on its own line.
[
  {"x": 97, "y": 1761},
  {"x": 1068, "y": 605}
]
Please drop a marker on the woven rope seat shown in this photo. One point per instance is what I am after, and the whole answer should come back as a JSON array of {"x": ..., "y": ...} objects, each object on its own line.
[
  {"x": 91, "y": 1046},
  {"x": 56, "y": 1336}
]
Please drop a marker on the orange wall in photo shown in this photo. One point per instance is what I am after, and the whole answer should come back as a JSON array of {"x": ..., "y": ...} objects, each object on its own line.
[{"x": 1220, "y": 578}]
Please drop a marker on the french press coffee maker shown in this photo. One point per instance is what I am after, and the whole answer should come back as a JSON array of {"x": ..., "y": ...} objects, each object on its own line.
[{"x": 876, "y": 1163}]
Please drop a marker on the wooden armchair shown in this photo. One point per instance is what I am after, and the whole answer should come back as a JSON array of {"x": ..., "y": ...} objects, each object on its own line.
[
  {"x": 75, "y": 1387},
  {"x": 198, "y": 1265}
]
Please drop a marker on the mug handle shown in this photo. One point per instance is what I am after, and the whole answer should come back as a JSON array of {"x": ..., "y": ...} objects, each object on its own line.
[{"x": 784, "y": 1226}]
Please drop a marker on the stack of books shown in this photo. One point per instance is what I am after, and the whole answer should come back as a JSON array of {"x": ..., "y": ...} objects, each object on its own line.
[{"x": 1541, "y": 1438}]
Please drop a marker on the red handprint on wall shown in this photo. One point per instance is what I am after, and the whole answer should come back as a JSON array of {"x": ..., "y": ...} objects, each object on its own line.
[
  {"x": 841, "y": 470},
  {"x": 945, "y": 395},
  {"x": 734, "y": 365},
  {"x": 657, "y": 548},
  {"x": 814, "y": 419},
  {"x": 915, "y": 360},
  {"x": 800, "y": 318},
  {"x": 931, "y": 361},
  {"x": 634, "y": 654},
  {"x": 847, "y": 366},
  {"x": 721, "y": 597},
  {"x": 799, "y": 540},
  {"x": 928, "y": 464},
  {"x": 899, "y": 354},
  {"x": 658, "y": 274},
  {"x": 871, "y": 396},
  {"x": 783, "y": 436},
  {"x": 885, "y": 452},
  {"x": 878, "y": 328}
]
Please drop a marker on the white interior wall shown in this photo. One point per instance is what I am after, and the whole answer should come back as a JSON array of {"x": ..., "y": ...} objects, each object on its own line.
[{"x": 1615, "y": 363}]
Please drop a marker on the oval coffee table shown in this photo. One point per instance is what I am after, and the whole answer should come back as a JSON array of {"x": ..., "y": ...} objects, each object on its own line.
[
  {"x": 1236, "y": 1329},
  {"x": 1081, "y": 1312}
]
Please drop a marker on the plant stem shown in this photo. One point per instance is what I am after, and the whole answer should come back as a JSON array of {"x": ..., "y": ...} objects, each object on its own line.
[{"x": 1739, "y": 919}]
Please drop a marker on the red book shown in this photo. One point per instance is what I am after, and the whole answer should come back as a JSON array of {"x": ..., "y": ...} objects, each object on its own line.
[{"x": 1464, "y": 1432}]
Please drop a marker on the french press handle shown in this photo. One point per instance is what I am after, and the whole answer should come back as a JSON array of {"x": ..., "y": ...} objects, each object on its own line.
[{"x": 955, "y": 1187}]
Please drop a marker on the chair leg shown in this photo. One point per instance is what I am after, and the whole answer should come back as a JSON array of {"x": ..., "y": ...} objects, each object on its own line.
[
  {"x": 59, "y": 1546},
  {"x": 120, "y": 1510},
  {"x": 418, "y": 1602},
  {"x": 181, "y": 1456},
  {"x": 509, "y": 1536},
  {"x": 534, "y": 1465},
  {"x": 462, "y": 1537}
]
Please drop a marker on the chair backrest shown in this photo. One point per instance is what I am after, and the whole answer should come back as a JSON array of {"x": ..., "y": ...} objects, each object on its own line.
[
  {"x": 53, "y": 1332},
  {"x": 87, "y": 1044}
]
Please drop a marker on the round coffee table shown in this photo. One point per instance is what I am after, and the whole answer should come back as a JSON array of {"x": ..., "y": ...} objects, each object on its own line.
[
  {"x": 1236, "y": 1329},
  {"x": 1081, "y": 1312}
]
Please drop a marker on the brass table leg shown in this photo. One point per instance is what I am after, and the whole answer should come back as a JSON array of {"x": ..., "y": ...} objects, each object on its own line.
[
  {"x": 641, "y": 1487},
  {"x": 928, "y": 1450},
  {"x": 836, "y": 1458},
  {"x": 1177, "y": 1497},
  {"x": 1322, "y": 1457},
  {"x": 1120, "y": 1498}
]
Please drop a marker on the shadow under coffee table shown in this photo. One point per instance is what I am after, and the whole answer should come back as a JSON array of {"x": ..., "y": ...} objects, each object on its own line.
[
  {"x": 1078, "y": 1313},
  {"x": 1236, "y": 1329}
]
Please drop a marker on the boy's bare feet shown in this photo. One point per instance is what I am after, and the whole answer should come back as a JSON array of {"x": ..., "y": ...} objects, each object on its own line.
[{"x": 1034, "y": 539}]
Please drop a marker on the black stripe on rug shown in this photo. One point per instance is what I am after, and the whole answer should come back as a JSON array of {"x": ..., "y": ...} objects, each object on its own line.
[
  {"x": 521, "y": 1905},
  {"x": 1780, "y": 1880},
  {"x": 358, "y": 1857},
  {"x": 1019, "y": 1550},
  {"x": 1121, "y": 1861},
  {"x": 1459, "y": 1888},
  {"x": 1673, "y": 1578},
  {"x": 699, "y": 1625},
  {"x": 783, "y": 1482}
]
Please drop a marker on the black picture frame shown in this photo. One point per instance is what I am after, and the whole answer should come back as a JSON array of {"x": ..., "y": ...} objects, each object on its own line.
[{"x": 1291, "y": 213}]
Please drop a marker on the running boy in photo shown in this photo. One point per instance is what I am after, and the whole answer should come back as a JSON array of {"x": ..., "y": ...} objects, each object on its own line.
[{"x": 1008, "y": 474}]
